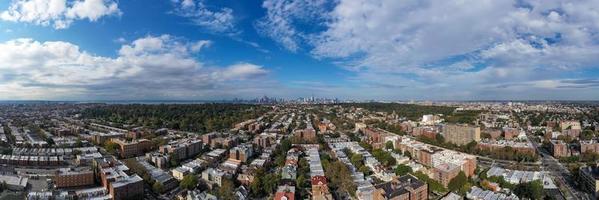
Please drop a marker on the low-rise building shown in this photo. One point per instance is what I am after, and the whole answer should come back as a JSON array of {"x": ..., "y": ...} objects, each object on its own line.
[
  {"x": 159, "y": 175},
  {"x": 477, "y": 193},
  {"x": 405, "y": 187},
  {"x": 14, "y": 182},
  {"x": 214, "y": 176},
  {"x": 179, "y": 173},
  {"x": 285, "y": 192}
]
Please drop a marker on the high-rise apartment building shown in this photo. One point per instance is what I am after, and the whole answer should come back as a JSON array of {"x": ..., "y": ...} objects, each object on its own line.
[{"x": 461, "y": 134}]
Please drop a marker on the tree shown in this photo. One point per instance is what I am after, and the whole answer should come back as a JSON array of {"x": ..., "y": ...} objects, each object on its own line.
[
  {"x": 157, "y": 187},
  {"x": 256, "y": 185},
  {"x": 470, "y": 147},
  {"x": 587, "y": 134},
  {"x": 433, "y": 185},
  {"x": 407, "y": 154},
  {"x": 531, "y": 190},
  {"x": 300, "y": 181},
  {"x": 402, "y": 169},
  {"x": 225, "y": 192},
  {"x": 173, "y": 160},
  {"x": 356, "y": 160},
  {"x": 78, "y": 143},
  {"x": 50, "y": 141},
  {"x": 340, "y": 177},
  {"x": 111, "y": 147},
  {"x": 3, "y": 186},
  {"x": 364, "y": 169},
  {"x": 270, "y": 183},
  {"x": 457, "y": 182},
  {"x": 189, "y": 182},
  {"x": 384, "y": 157},
  {"x": 191, "y": 117},
  {"x": 439, "y": 138},
  {"x": 389, "y": 145}
]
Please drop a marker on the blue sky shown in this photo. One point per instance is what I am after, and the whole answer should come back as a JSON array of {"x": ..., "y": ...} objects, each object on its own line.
[{"x": 349, "y": 49}]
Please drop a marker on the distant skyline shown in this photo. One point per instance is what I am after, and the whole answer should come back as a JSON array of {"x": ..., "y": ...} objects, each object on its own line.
[{"x": 348, "y": 49}]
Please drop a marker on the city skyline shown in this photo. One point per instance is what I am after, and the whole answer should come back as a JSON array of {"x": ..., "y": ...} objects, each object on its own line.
[{"x": 86, "y": 50}]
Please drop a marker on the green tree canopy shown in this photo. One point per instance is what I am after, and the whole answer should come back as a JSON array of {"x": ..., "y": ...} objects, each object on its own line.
[
  {"x": 402, "y": 169},
  {"x": 189, "y": 182},
  {"x": 457, "y": 182},
  {"x": 389, "y": 145},
  {"x": 531, "y": 190},
  {"x": 157, "y": 187},
  {"x": 225, "y": 191}
]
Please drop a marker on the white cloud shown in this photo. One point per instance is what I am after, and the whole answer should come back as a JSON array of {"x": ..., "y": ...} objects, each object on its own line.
[
  {"x": 58, "y": 13},
  {"x": 282, "y": 16},
  {"x": 447, "y": 46},
  {"x": 216, "y": 20},
  {"x": 241, "y": 71},
  {"x": 148, "y": 67}
]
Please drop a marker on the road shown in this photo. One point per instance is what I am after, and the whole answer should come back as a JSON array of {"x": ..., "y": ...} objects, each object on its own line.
[{"x": 561, "y": 173}]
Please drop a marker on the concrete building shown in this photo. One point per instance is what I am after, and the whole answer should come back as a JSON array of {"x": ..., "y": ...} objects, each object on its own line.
[
  {"x": 461, "y": 134},
  {"x": 213, "y": 176},
  {"x": 179, "y": 173},
  {"x": 14, "y": 182},
  {"x": 590, "y": 180},
  {"x": 100, "y": 138}
]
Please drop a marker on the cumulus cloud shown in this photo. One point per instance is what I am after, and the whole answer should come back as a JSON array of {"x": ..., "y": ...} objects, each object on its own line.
[
  {"x": 59, "y": 14},
  {"x": 149, "y": 67},
  {"x": 220, "y": 20},
  {"x": 466, "y": 45}
]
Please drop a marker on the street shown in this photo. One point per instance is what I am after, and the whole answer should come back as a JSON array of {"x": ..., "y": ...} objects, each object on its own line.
[{"x": 560, "y": 173}]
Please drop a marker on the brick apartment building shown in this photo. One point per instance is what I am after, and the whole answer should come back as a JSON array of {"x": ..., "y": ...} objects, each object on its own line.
[
  {"x": 128, "y": 149},
  {"x": 406, "y": 187},
  {"x": 559, "y": 149},
  {"x": 75, "y": 177}
]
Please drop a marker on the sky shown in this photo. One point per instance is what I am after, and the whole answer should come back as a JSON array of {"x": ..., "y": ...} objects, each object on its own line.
[{"x": 346, "y": 49}]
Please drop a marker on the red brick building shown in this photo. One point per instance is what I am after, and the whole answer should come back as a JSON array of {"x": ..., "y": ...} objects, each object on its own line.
[
  {"x": 559, "y": 149},
  {"x": 74, "y": 177}
]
